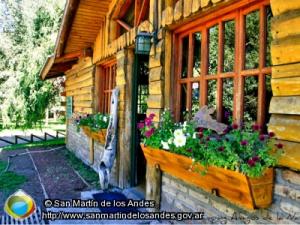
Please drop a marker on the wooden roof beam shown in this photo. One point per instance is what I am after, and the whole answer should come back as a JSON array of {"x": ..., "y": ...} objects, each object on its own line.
[
  {"x": 124, "y": 24},
  {"x": 70, "y": 11}
]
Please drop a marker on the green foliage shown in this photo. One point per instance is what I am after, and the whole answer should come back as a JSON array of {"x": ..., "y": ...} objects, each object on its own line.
[
  {"x": 94, "y": 122},
  {"x": 12, "y": 180},
  {"x": 27, "y": 38},
  {"x": 49, "y": 143},
  {"x": 252, "y": 37},
  {"x": 85, "y": 171},
  {"x": 240, "y": 149}
]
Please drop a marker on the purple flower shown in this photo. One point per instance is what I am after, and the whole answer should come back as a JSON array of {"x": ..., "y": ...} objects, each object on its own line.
[
  {"x": 244, "y": 142},
  {"x": 261, "y": 137},
  {"x": 221, "y": 149},
  {"x": 226, "y": 114},
  {"x": 271, "y": 134},
  {"x": 255, "y": 158},
  {"x": 149, "y": 132},
  {"x": 235, "y": 126},
  {"x": 251, "y": 162},
  {"x": 255, "y": 127},
  {"x": 148, "y": 122},
  {"x": 141, "y": 125},
  {"x": 279, "y": 145},
  {"x": 228, "y": 128},
  {"x": 152, "y": 115},
  {"x": 200, "y": 129}
]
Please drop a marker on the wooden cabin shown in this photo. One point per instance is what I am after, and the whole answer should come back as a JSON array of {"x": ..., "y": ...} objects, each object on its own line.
[{"x": 201, "y": 50}]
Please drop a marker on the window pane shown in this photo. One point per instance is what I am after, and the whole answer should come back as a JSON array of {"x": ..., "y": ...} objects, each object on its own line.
[
  {"x": 269, "y": 36},
  {"x": 183, "y": 108},
  {"x": 227, "y": 100},
  {"x": 213, "y": 50},
  {"x": 229, "y": 46},
  {"x": 252, "y": 40},
  {"x": 250, "y": 99},
  {"x": 142, "y": 99},
  {"x": 197, "y": 54},
  {"x": 195, "y": 97},
  {"x": 212, "y": 95},
  {"x": 268, "y": 100},
  {"x": 185, "y": 56}
]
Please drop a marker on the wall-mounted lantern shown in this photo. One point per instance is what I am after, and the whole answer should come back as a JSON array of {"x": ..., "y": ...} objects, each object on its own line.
[{"x": 143, "y": 42}]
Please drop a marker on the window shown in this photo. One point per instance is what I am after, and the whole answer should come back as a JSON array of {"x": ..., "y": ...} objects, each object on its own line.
[
  {"x": 225, "y": 63},
  {"x": 107, "y": 84}
]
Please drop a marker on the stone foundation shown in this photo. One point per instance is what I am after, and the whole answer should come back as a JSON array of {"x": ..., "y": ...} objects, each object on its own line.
[
  {"x": 78, "y": 143},
  {"x": 176, "y": 195}
]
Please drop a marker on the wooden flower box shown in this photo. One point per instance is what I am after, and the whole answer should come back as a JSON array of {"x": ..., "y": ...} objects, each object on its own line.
[
  {"x": 250, "y": 193},
  {"x": 96, "y": 135}
]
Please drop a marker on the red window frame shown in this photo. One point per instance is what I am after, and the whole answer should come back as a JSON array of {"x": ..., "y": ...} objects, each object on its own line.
[
  {"x": 236, "y": 12},
  {"x": 107, "y": 84}
]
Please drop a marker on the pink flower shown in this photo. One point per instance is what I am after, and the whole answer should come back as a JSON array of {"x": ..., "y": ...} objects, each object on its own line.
[
  {"x": 256, "y": 127},
  {"x": 279, "y": 145},
  {"x": 148, "y": 122},
  {"x": 261, "y": 137},
  {"x": 255, "y": 158},
  {"x": 271, "y": 134},
  {"x": 235, "y": 126},
  {"x": 200, "y": 129},
  {"x": 251, "y": 162},
  {"x": 200, "y": 135},
  {"x": 149, "y": 132},
  {"x": 244, "y": 142},
  {"x": 152, "y": 115},
  {"x": 141, "y": 125}
]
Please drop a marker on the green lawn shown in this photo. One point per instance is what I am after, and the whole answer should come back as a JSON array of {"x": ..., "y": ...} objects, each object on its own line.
[
  {"x": 54, "y": 142},
  {"x": 85, "y": 171},
  {"x": 53, "y": 125},
  {"x": 12, "y": 180}
]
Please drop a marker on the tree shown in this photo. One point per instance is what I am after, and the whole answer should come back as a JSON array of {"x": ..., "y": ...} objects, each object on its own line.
[{"x": 29, "y": 29}]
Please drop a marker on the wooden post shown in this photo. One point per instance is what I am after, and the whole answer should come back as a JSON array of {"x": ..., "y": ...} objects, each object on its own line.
[
  {"x": 91, "y": 145},
  {"x": 153, "y": 185}
]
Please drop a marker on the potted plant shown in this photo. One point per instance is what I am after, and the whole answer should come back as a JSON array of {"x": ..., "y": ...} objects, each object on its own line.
[
  {"x": 94, "y": 126},
  {"x": 236, "y": 165}
]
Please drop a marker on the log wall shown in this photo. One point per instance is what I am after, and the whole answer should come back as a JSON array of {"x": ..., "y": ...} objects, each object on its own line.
[
  {"x": 80, "y": 85},
  {"x": 285, "y": 104}
]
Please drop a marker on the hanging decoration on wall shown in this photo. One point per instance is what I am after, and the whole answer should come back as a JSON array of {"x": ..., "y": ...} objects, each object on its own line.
[
  {"x": 203, "y": 119},
  {"x": 110, "y": 147}
]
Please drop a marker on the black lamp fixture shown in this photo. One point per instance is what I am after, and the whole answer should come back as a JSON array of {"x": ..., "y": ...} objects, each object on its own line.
[{"x": 143, "y": 42}]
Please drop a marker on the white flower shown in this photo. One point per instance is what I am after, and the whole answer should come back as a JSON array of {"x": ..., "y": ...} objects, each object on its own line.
[
  {"x": 165, "y": 145},
  {"x": 178, "y": 132},
  {"x": 194, "y": 135},
  {"x": 180, "y": 141},
  {"x": 104, "y": 118}
]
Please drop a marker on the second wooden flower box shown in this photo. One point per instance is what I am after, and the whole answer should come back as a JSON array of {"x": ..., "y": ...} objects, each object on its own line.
[
  {"x": 96, "y": 135},
  {"x": 250, "y": 193}
]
